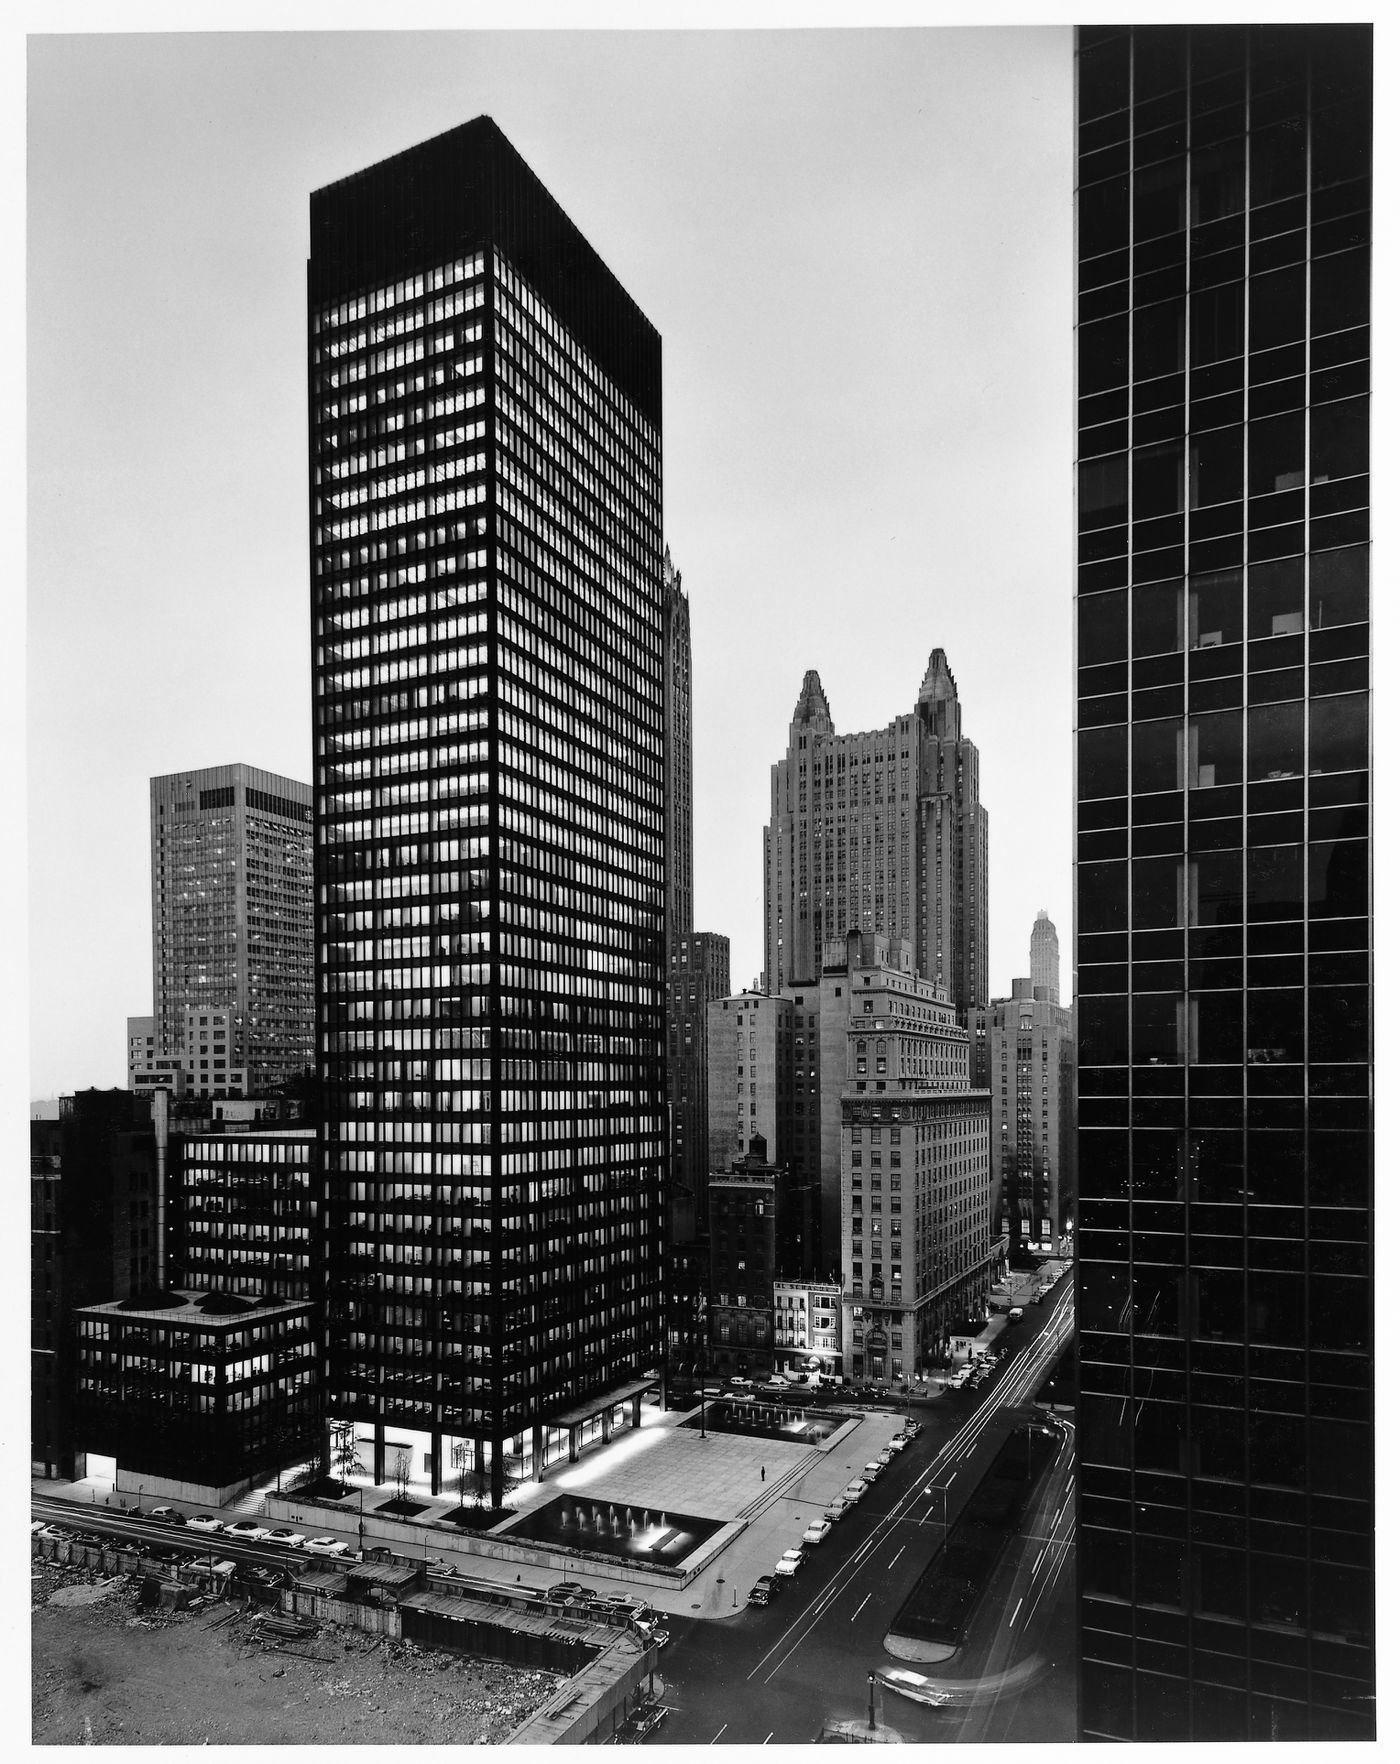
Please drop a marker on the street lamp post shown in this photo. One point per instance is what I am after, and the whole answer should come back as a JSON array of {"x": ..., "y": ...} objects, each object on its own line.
[
  {"x": 362, "y": 1520},
  {"x": 871, "y": 1677}
]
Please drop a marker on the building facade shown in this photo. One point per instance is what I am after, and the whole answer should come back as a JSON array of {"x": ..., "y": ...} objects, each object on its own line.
[
  {"x": 231, "y": 922},
  {"x": 750, "y": 1077},
  {"x": 198, "y": 1062},
  {"x": 489, "y": 703},
  {"x": 699, "y": 974},
  {"x": 1023, "y": 1054},
  {"x": 697, "y": 962},
  {"x": 680, "y": 805},
  {"x": 1223, "y": 918},
  {"x": 243, "y": 1212},
  {"x": 879, "y": 832},
  {"x": 195, "y": 1391},
  {"x": 918, "y": 1248},
  {"x": 744, "y": 1204},
  {"x": 1045, "y": 956},
  {"x": 807, "y": 1326},
  {"x": 96, "y": 1225}
]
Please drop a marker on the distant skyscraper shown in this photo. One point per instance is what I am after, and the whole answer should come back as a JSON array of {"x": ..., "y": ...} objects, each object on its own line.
[
  {"x": 1023, "y": 1053},
  {"x": 697, "y": 962},
  {"x": 490, "y": 682},
  {"x": 1226, "y": 1242},
  {"x": 1045, "y": 956},
  {"x": 879, "y": 832},
  {"x": 680, "y": 811},
  {"x": 231, "y": 921},
  {"x": 698, "y": 975}
]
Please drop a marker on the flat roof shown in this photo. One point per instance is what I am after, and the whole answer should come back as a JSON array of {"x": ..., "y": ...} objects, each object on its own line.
[
  {"x": 189, "y": 1310},
  {"x": 607, "y": 1400}
]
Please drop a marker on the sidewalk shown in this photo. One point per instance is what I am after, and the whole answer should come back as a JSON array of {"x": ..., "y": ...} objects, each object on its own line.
[{"x": 763, "y": 1492}]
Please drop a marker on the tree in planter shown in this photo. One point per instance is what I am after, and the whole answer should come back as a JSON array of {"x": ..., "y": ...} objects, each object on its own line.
[
  {"x": 403, "y": 1464},
  {"x": 467, "y": 1477},
  {"x": 345, "y": 1452}
]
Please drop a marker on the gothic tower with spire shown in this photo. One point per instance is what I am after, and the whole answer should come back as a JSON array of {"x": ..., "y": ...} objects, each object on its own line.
[{"x": 881, "y": 831}]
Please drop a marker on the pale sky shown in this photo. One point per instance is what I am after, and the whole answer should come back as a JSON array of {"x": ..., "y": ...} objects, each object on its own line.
[{"x": 857, "y": 248}]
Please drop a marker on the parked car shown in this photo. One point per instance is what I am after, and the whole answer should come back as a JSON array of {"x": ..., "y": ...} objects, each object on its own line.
[
  {"x": 248, "y": 1531},
  {"x": 1015, "y": 1314},
  {"x": 838, "y": 1509},
  {"x": 289, "y": 1540},
  {"x": 204, "y": 1522},
  {"x": 439, "y": 1565},
  {"x": 873, "y": 1469},
  {"x": 853, "y": 1491},
  {"x": 912, "y": 1430},
  {"x": 897, "y": 1444},
  {"x": 885, "y": 1457},
  {"x": 764, "y": 1589},
  {"x": 790, "y": 1561},
  {"x": 816, "y": 1531},
  {"x": 326, "y": 1546},
  {"x": 566, "y": 1589},
  {"x": 168, "y": 1515},
  {"x": 742, "y": 1383}
]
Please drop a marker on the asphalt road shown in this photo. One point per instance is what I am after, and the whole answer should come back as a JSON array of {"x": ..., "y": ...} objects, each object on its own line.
[{"x": 777, "y": 1674}]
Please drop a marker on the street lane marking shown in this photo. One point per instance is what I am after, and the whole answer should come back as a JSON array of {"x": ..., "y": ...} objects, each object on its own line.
[
  {"x": 720, "y": 1731},
  {"x": 1030, "y": 1365},
  {"x": 898, "y": 1553},
  {"x": 860, "y": 1607},
  {"x": 1039, "y": 1559},
  {"x": 1017, "y": 1612},
  {"x": 770, "y": 1736}
]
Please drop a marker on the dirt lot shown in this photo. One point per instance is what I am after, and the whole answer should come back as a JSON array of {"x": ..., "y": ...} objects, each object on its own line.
[{"x": 107, "y": 1673}]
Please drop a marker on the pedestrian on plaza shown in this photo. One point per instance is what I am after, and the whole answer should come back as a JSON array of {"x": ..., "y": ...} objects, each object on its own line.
[{"x": 763, "y": 1473}]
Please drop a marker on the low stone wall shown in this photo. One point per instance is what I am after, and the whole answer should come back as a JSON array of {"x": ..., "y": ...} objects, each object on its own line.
[
  {"x": 152, "y": 1489},
  {"x": 415, "y": 1539}
]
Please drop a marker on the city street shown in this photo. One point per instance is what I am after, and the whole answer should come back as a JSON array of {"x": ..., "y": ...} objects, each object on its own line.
[{"x": 778, "y": 1674}]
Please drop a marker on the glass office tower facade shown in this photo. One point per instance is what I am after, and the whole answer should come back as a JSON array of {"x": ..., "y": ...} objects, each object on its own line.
[
  {"x": 485, "y": 411},
  {"x": 1223, "y": 894},
  {"x": 231, "y": 926}
]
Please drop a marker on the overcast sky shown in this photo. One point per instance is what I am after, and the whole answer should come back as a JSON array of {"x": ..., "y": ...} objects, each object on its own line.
[{"x": 857, "y": 248}]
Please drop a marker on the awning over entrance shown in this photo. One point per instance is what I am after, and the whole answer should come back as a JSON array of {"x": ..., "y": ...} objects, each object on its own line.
[{"x": 608, "y": 1399}]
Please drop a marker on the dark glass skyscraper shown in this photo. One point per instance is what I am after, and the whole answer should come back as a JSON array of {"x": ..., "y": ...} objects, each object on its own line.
[
  {"x": 1223, "y": 908},
  {"x": 485, "y": 418}
]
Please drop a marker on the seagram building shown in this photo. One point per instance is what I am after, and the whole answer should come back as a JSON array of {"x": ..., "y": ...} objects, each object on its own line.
[{"x": 485, "y": 422}]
